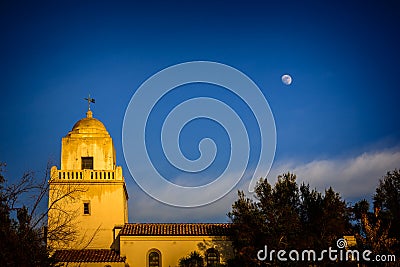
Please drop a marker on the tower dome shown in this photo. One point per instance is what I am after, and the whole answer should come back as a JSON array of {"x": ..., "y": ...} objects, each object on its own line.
[
  {"x": 89, "y": 126},
  {"x": 88, "y": 141}
]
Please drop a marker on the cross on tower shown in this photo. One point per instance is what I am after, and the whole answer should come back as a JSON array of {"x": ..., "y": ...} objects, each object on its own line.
[{"x": 90, "y": 100}]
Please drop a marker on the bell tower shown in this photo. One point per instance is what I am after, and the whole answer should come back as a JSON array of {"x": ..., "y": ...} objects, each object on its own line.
[{"x": 87, "y": 195}]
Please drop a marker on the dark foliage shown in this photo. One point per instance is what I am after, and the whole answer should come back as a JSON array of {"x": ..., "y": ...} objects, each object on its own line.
[
  {"x": 286, "y": 216},
  {"x": 387, "y": 200},
  {"x": 192, "y": 260},
  {"x": 379, "y": 230},
  {"x": 21, "y": 244}
]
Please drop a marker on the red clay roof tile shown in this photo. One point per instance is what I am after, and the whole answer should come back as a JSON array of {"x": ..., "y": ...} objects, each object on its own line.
[
  {"x": 87, "y": 255},
  {"x": 176, "y": 229}
]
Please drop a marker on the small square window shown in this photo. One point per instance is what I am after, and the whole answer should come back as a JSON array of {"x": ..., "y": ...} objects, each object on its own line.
[
  {"x": 86, "y": 208},
  {"x": 87, "y": 163}
]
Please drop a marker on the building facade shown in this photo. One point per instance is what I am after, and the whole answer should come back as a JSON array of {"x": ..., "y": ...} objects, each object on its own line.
[{"x": 88, "y": 212}]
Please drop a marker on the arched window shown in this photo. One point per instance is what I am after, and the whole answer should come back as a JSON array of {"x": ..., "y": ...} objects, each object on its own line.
[
  {"x": 212, "y": 257},
  {"x": 154, "y": 258}
]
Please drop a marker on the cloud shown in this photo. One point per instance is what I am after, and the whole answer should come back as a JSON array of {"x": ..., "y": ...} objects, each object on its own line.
[
  {"x": 353, "y": 177},
  {"x": 145, "y": 209}
]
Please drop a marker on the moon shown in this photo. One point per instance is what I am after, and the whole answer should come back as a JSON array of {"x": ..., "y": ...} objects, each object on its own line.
[{"x": 286, "y": 79}]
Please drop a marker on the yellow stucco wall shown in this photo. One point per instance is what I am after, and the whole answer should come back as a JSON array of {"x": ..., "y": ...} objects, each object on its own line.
[
  {"x": 172, "y": 248},
  {"x": 88, "y": 138},
  {"x": 102, "y": 188},
  {"x": 107, "y": 206},
  {"x": 101, "y": 149}
]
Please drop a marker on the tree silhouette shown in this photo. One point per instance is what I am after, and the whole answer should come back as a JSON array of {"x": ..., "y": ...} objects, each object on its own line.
[
  {"x": 379, "y": 230},
  {"x": 21, "y": 245},
  {"x": 194, "y": 259},
  {"x": 387, "y": 200},
  {"x": 286, "y": 216},
  {"x": 24, "y": 233}
]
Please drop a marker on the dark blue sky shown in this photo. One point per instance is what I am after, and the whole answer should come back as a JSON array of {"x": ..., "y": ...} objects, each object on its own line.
[{"x": 342, "y": 107}]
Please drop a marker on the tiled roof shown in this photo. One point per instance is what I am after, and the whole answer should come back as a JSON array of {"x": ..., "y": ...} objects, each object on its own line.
[
  {"x": 176, "y": 229},
  {"x": 87, "y": 255}
]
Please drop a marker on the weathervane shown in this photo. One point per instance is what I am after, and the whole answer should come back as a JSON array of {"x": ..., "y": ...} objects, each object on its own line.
[{"x": 89, "y": 100}]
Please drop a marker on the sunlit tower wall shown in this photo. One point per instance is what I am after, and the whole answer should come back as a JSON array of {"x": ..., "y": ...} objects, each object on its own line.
[{"x": 88, "y": 199}]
